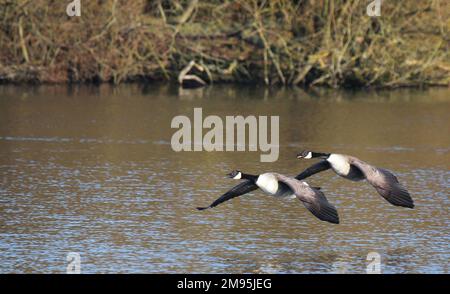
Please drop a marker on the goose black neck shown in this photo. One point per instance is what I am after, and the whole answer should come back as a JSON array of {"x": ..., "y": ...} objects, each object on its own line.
[
  {"x": 320, "y": 155},
  {"x": 252, "y": 178}
]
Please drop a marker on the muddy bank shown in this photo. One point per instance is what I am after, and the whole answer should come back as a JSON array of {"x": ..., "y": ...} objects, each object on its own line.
[{"x": 305, "y": 43}]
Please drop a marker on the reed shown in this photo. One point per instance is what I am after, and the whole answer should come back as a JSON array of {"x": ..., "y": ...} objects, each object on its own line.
[{"x": 329, "y": 43}]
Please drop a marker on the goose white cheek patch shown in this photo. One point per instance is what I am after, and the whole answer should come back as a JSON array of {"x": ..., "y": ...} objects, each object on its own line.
[
  {"x": 236, "y": 133},
  {"x": 309, "y": 155},
  {"x": 238, "y": 176}
]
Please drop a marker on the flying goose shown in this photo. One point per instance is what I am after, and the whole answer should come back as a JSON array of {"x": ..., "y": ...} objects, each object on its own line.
[
  {"x": 354, "y": 169},
  {"x": 281, "y": 186}
]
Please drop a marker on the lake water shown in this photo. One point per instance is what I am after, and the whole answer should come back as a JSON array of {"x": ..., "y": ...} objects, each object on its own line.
[{"x": 91, "y": 170}]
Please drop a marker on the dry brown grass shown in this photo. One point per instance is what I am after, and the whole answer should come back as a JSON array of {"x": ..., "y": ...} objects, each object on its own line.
[{"x": 322, "y": 42}]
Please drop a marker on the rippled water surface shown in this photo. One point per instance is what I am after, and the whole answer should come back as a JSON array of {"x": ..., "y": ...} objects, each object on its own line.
[{"x": 91, "y": 170}]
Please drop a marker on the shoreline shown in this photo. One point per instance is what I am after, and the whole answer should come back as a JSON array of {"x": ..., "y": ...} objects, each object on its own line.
[
  {"x": 174, "y": 83},
  {"x": 324, "y": 43}
]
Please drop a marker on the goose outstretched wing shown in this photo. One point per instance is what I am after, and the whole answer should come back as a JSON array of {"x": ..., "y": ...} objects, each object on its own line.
[
  {"x": 314, "y": 169},
  {"x": 241, "y": 189},
  {"x": 313, "y": 199},
  {"x": 386, "y": 184}
]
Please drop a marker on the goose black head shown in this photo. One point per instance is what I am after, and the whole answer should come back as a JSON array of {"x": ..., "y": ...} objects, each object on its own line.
[{"x": 236, "y": 175}]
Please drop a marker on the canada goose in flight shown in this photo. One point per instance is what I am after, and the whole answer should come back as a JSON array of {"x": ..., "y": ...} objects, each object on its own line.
[
  {"x": 352, "y": 168},
  {"x": 281, "y": 186}
]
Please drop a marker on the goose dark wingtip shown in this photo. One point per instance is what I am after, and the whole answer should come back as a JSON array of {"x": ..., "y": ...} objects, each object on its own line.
[
  {"x": 202, "y": 208},
  {"x": 331, "y": 214},
  {"x": 335, "y": 221},
  {"x": 410, "y": 205},
  {"x": 331, "y": 219}
]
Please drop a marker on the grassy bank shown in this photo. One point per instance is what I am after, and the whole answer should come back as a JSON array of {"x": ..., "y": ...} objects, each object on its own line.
[{"x": 323, "y": 42}]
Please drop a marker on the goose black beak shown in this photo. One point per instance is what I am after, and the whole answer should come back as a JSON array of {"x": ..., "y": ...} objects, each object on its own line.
[
  {"x": 299, "y": 156},
  {"x": 229, "y": 175}
]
